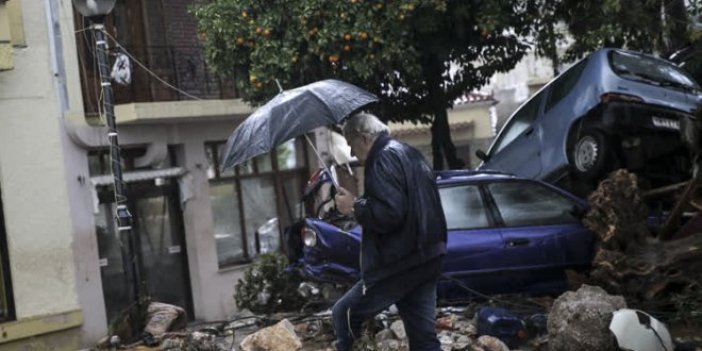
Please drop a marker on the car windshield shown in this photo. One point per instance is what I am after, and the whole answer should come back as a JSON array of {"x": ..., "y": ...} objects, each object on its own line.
[{"x": 650, "y": 70}]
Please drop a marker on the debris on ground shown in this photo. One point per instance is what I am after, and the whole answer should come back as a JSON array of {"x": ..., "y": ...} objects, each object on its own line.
[
  {"x": 279, "y": 337},
  {"x": 163, "y": 317},
  {"x": 632, "y": 267},
  {"x": 637, "y": 330},
  {"x": 580, "y": 320},
  {"x": 630, "y": 261}
]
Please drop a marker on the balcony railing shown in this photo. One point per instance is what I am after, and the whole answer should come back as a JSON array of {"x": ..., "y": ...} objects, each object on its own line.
[{"x": 182, "y": 67}]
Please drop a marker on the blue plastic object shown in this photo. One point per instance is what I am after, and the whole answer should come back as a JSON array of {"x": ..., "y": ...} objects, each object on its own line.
[{"x": 502, "y": 324}]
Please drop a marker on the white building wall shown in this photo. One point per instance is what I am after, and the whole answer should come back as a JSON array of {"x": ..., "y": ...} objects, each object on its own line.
[{"x": 33, "y": 174}]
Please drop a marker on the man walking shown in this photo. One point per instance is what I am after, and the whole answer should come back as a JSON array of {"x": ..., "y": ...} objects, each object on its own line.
[{"x": 403, "y": 240}]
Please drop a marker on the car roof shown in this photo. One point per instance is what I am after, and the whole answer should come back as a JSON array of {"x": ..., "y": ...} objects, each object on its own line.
[
  {"x": 452, "y": 176},
  {"x": 466, "y": 175}
]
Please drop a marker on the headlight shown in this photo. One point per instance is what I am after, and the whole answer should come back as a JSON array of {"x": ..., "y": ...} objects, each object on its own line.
[{"x": 309, "y": 237}]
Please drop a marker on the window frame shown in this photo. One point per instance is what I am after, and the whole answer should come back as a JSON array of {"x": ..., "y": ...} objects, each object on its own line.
[
  {"x": 492, "y": 222},
  {"x": 537, "y": 99},
  {"x": 6, "y": 280},
  {"x": 279, "y": 176},
  {"x": 574, "y": 72},
  {"x": 498, "y": 213},
  {"x": 613, "y": 55}
]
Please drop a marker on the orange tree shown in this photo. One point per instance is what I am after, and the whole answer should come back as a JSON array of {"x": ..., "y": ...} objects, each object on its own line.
[{"x": 417, "y": 55}]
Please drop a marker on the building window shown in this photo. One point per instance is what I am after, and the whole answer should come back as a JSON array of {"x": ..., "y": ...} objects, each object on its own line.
[
  {"x": 7, "y": 311},
  {"x": 253, "y": 202}
]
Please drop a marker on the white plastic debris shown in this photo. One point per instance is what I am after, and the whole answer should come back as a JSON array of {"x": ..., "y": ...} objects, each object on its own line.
[
  {"x": 637, "y": 331},
  {"x": 122, "y": 70}
]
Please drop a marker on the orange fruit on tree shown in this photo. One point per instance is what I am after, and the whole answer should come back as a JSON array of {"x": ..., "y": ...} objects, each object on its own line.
[
  {"x": 347, "y": 37},
  {"x": 239, "y": 41},
  {"x": 244, "y": 14},
  {"x": 258, "y": 30},
  {"x": 347, "y": 48},
  {"x": 266, "y": 32},
  {"x": 363, "y": 35}
]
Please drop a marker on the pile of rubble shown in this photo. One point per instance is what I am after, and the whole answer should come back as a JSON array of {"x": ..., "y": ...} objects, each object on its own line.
[
  {"x": 639, "y": 269},
  {"x": 577, "y": 320}
]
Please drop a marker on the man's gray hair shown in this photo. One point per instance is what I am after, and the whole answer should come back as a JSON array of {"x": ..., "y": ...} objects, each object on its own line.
[{"x": 364, "y": 124}]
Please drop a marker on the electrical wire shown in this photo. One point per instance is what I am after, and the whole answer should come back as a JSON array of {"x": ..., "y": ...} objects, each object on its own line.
[
  {"x": 491, "y": 298},
  {"x": 149, "y": 71}
]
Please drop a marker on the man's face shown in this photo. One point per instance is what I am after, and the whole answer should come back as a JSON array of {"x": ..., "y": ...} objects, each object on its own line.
[{"x": 360, "y": 146}]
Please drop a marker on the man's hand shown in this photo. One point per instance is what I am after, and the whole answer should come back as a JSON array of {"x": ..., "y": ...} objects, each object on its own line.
[{"x": 344, "y": 201}]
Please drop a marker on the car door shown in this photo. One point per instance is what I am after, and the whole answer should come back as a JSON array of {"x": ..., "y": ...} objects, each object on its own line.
[
  {"x": 474, "y": 243},
  {"x": 541, "y": 233},
  {"x": 516, "y": 149}
]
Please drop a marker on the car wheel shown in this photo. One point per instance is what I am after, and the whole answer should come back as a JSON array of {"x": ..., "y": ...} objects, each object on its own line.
[{"x": 589, "y": 154}]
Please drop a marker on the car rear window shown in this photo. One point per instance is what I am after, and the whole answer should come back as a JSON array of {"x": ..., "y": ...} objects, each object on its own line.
[{"x": 649, "y": 70}]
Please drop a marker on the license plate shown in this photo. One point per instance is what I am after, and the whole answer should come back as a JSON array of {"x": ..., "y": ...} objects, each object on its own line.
[{"x": 666, "y": 123}]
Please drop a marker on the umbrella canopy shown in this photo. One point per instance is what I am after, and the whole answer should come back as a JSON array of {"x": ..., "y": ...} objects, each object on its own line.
[{"x": 293, "y": 113}]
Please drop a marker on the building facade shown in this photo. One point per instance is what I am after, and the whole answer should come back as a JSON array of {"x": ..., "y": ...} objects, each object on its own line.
[{"x": 197, "y": 227}]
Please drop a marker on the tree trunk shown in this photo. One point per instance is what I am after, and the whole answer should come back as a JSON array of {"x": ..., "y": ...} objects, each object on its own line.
[
  {"x": 441, "y": 143},
  {"x": 676, "y": 18},
  {"x": 437, "y": 155},
  {"x": 629, "y": 260},
  {"x": 553, "y": 49}
]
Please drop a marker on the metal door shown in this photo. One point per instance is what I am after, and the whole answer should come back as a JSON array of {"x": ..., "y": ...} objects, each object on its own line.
[{"x": 159, "y": 234}]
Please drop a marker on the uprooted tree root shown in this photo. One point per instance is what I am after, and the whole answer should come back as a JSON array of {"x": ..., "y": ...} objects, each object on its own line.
[{"x": 630, "y": 261}]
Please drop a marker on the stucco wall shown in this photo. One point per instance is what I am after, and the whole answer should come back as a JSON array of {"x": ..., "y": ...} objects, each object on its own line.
[
  {"x": 212, "y": 288},
  {"x": 33, "y": 178}
]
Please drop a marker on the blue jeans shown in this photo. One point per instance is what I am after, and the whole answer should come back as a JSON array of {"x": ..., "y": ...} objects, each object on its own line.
[{"x": 412, "y": 291}]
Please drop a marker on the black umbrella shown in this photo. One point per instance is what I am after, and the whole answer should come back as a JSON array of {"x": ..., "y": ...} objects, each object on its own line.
[{"x": 293, "y": 113}]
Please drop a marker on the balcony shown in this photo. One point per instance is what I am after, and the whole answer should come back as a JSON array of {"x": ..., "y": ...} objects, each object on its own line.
[{"x": 150, "y": 99}]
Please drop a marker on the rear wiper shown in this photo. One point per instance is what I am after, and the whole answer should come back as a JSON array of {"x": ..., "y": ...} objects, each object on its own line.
[
  {"x": 637, "y": 76},
  {"x": 657, "y": 81},
  {"x": 669, "y": 83}
]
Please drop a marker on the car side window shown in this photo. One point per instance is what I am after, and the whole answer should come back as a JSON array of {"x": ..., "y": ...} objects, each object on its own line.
[
  {"x": 522, "y": 203},
  {"x": 522, "y": 120},
  {"x": 564, "y": 84},
  {"x": 463, "y": 207}
]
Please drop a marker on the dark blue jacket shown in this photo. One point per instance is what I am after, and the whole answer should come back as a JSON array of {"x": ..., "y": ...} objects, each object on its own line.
[{"x": 400, "y": 212}]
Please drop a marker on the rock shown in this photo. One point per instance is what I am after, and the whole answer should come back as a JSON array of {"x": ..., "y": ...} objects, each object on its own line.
[
  {"x": 163, "y": 317},
  {"x": 202, "y": 341},
  {"x": 465, "y": 327},
  {"x": 491, "y": 343},
  {"x": 383, "y": 335},
  {"x": 398, "y": 328},
  {"x": 580, "y": 320},
  {"x": 446, "y": 340},
  {"x": 461, "y": 343},
  {"x": 447, "y": 322},
  {"x": 279, "y": 337},
  {"x": 389, "y": 345}
]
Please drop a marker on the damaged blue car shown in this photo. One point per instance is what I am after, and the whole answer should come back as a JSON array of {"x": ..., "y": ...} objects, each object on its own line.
[{"x": 506, "y": 235}]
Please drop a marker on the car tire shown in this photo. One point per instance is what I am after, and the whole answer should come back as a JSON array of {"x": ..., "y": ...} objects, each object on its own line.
[{"x": 589, "y": 154}]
